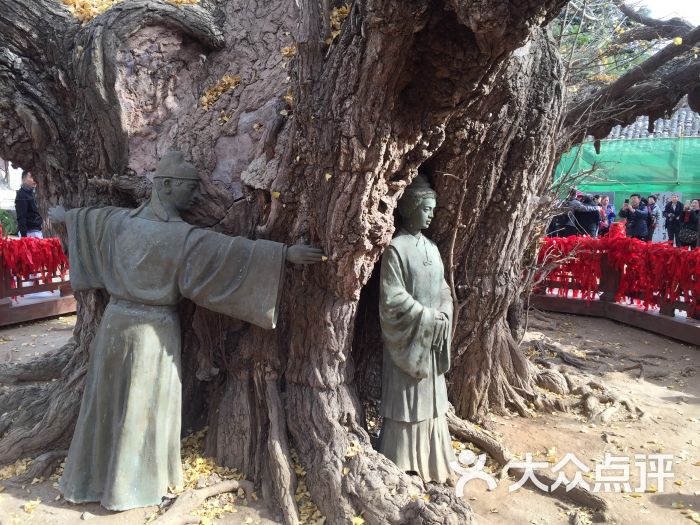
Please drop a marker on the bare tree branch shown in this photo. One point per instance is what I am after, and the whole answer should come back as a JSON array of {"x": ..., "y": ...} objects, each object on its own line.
[
  {"x": 654, "y": 97},
  {"x": 636, "y": 16},
  {"x": 652, "y": 28},
  {"x": 622, "y": 95},
  {"x": 651, "y": 34}
]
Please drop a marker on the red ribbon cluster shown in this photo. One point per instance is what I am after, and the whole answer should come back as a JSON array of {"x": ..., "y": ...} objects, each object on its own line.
[
  {"x": 27, "y": 256},
  {"x": 651, "y": 273}
]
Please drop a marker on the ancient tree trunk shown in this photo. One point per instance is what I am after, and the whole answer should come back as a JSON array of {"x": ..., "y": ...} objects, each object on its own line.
[
  {"x": 304, "y": 134},
  {"x": 491, "y": 175}
]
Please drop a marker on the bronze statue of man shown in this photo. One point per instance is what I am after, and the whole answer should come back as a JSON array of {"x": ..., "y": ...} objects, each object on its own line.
[
  {"x": 125, "y": 451},
  {"x": 415, "y": 309}
]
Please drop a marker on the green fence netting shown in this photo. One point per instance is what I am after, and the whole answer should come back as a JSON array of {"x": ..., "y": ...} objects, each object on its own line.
[{"x": 645, "y": 166}]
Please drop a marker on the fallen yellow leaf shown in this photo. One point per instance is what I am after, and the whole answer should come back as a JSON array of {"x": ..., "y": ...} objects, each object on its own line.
[
  {"x": 358, "y": 520},
  {"x": 353, "y": 449},
  {"x": 212, "y": 94},
  {"x": 289, "y": 51},
  {"x": 30, "y": 506}
]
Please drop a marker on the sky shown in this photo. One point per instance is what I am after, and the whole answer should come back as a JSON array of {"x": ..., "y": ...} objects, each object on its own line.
[{"x": 688, "y": 9}]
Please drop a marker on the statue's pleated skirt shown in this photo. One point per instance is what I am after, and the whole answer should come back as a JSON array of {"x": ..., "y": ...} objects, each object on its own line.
[
  {"x": 125, "y": 452},
  {"x": 424, "y": 447}
]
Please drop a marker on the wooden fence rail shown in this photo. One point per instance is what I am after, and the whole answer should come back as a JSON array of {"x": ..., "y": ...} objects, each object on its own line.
[
  {"x": 663, "y": 320},
  {"x": 17, "y": 305}
]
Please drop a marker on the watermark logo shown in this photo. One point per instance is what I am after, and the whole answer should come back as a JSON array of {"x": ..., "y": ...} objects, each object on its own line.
[
  {"x": 613, "y": 474},
  {"x": 474, "y": 470}
]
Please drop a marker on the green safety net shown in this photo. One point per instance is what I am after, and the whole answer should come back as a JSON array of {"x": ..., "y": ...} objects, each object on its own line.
[{"x": 645, "y": 166}]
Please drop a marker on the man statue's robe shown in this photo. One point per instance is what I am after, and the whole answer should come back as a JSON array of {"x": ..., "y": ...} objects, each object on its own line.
[
  {"x": 125, "y": 451},
  {"x": 413, "y": 290}
]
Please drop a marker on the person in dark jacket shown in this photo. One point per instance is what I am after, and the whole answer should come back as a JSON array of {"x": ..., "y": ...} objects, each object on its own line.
[
  {"x": 672, "y": 214},
  {"x": 574, "y": 207},
  {"x": 688, "y": 232},
  {"x": 636, "y": 215},
  {"x": 29, "y": 221},
  {"x": 588, "y": 222}
]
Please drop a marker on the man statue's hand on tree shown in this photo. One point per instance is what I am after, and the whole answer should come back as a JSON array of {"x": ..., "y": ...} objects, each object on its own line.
[{"x": 304, "y": 254}]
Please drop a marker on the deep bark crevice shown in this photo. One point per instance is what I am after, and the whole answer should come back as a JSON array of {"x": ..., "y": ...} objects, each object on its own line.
[{"x": 316, "y": 148}]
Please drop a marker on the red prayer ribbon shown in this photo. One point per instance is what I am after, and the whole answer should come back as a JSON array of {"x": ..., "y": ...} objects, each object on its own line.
[
  {"x": 29, "y": 256},
  {"x": 651, "y": 273}
]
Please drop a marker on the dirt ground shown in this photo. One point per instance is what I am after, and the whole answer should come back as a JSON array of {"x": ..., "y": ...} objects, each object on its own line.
[{"x": 668, "y": 393}]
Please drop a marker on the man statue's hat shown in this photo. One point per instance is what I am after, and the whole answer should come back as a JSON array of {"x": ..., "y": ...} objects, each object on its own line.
[{"x": 174, "y": 166}]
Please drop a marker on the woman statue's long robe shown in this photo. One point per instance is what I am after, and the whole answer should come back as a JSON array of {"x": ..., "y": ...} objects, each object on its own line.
[
  {"x": 125, "y": 451},
  {"x": 413, "y": 290}
]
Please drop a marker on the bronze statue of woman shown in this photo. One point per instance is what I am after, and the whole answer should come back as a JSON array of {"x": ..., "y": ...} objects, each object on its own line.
[{"x": 416, "y": 318}]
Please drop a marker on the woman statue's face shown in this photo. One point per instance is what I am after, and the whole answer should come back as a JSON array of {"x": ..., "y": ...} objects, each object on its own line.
[{"x": 423, "y": 215}]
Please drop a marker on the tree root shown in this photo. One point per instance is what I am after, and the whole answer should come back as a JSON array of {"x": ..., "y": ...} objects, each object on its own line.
[
  {"x": 605, "y": 416},
  {"x": 42, "y": 467},
  {"x": 552, "y": 380},
  {"x": 543, "y": 347},
  {"x": 347, "y": 478},
  {"x": 638, "y": 366},
  {"x": 14, "y": 396},
  {"x": 281, "y": 473},
  {"x": 481, "y": 438},
  {"x": 598, "y": 403},
  {"x": 542, "y": 317},
  {"x": 602, "y": 352},
  {"x": 44, "y": 367},
  {"x": 654, "y": 356},
  {"x": 180, "y": 511},
  {"x": 593, "y": 403},
  {"x": 41, "y": 424},
  {"x": 41, "y": 417},
  {"x": 494, "y": 448}
]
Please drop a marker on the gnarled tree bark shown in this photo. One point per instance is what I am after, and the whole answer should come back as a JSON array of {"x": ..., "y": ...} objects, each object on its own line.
[{"x": 315, "y": 144}]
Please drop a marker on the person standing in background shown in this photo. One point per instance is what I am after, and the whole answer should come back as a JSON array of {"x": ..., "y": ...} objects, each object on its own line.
[
  {"x": 672, "y": 214},
  {"x": 688, "y": 232},
  {"x": 29, "y": 221},
  {"x": 573, "y": 205},
  {"x": 588, "y": 222},
  {"x": 654, "y": 216},
  {"x": 608, "y": 213},
  {"x": 636, "y": 214}
]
